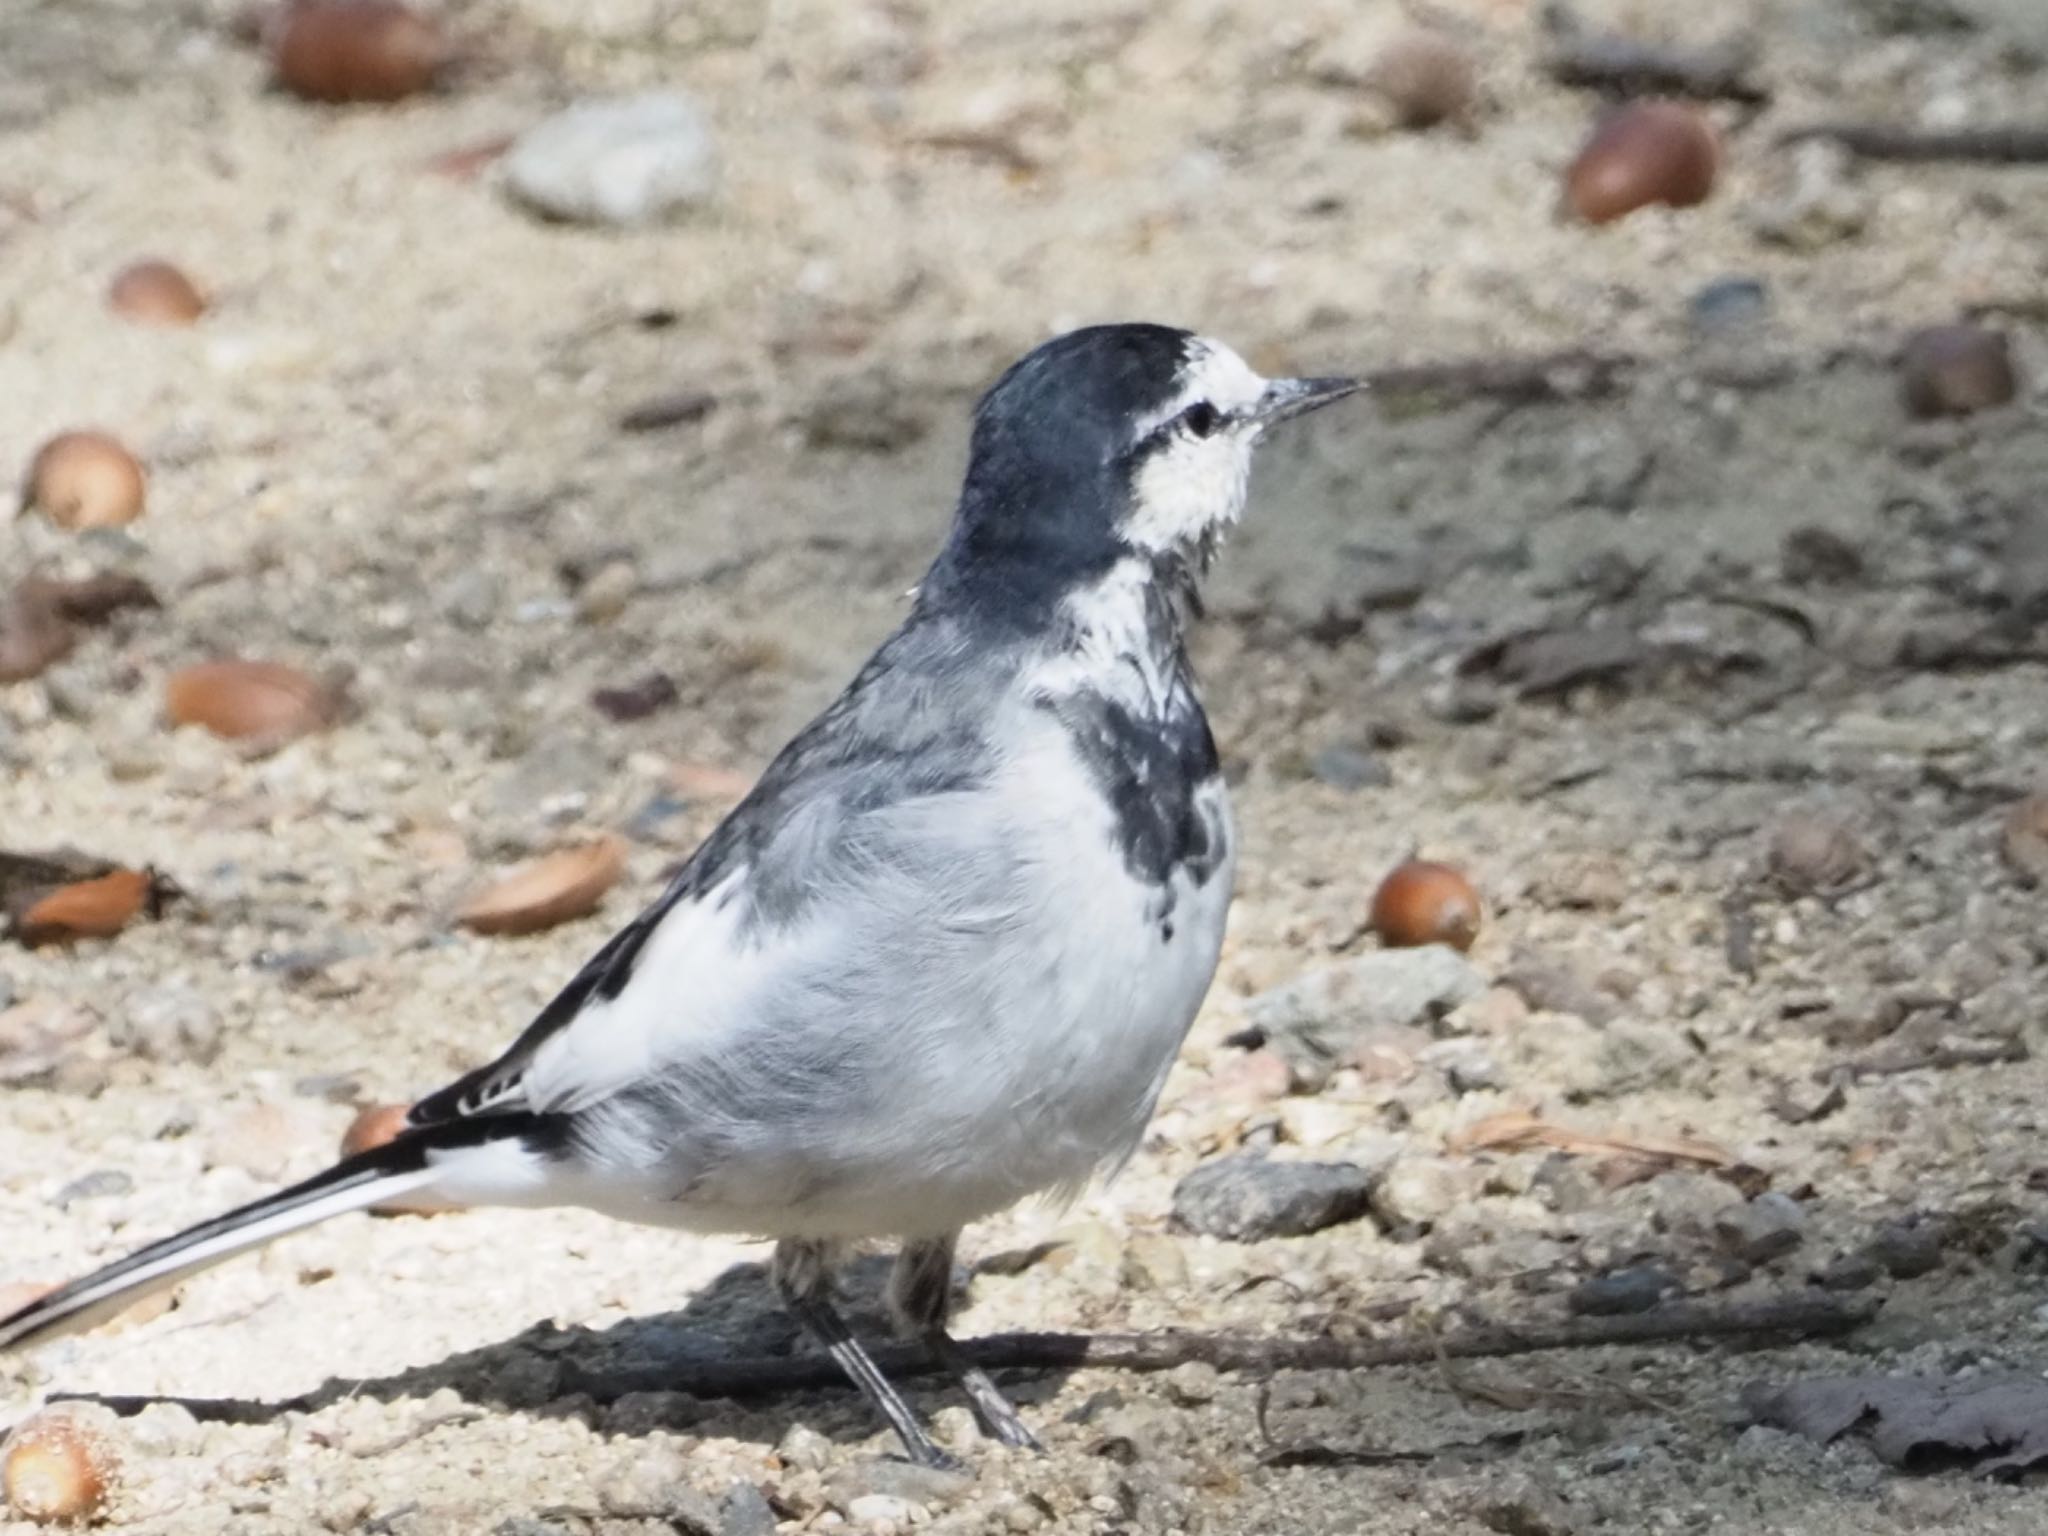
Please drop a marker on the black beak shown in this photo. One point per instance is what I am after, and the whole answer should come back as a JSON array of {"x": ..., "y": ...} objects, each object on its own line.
[{"x": 1297, "y": 397}]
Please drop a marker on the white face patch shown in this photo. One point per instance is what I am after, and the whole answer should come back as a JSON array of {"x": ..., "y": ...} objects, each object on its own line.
[{"x": 1190, "y": 486}]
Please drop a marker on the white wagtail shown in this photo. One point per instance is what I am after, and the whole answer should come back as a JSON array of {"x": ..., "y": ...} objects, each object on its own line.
[{"x": 943, "y": 955}]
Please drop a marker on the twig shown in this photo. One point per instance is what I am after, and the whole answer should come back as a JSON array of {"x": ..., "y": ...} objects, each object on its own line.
[
  {"x": 1572, "y": 374},
  {"x": 1607, "y": 62},
  {"x": 1792, "y": 1316},
  {"x": 2008, "y": 144}
]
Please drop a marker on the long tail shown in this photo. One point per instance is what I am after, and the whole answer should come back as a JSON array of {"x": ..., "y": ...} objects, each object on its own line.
[{"x": 380, "y": 1174}]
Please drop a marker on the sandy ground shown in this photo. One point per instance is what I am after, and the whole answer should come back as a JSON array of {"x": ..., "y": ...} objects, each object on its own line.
[{"x": 392, "y": 447}]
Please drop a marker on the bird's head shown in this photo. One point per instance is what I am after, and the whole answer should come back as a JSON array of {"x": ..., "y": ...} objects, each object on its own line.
[{"x": 1120, "y": 440}]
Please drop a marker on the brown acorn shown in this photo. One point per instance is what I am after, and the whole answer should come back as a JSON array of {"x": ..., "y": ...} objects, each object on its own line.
[
  {"x": 1954, "y": 370},
  {"x": 355, "y": 50},
  {"x": 1643, "y": 153},
  {"x": 155, "y": 293},
  {"x": 84, "y": 480},
  {"x": 1425, "y": 903}
]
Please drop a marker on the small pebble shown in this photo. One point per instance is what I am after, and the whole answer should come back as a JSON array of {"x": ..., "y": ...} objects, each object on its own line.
[
  {"x": 1247, "y": 1198},
  {"x": 1350, "y": 768},
  {"x": 1765, "y": 1228},
  {"x": 623, "y": 161},
  {"x": 1194, "y": 1382},
  {"x": 803, "y": 1449},
  {"x": 1907, "y": 1250},
  {"x": 1622, "y": 1292}
]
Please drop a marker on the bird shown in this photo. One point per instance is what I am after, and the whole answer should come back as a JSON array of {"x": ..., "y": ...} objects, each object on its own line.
[{"x": 941, "y": 957}]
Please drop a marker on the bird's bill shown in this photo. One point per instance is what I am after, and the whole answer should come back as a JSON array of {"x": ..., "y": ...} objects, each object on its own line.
[{"x": 1283, "y": 398}]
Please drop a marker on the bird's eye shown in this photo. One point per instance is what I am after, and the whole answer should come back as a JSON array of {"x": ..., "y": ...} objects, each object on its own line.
[{"x": 1201, "y": 418}]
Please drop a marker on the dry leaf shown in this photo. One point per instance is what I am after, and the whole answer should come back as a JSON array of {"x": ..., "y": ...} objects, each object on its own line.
[
  {"x": 62, "y": 895},
  {"x": 1999, "y": 1422},
  {"x": 34, "y": 633},
  {"x": 564, "y": 885},
  {"x": 86, "y": 909},
  {"x": 252, "y": 701},
  {"x": 1517, "y": 1130}
]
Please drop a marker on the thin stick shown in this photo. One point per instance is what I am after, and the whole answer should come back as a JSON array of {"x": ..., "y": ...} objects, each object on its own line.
[
  {"x": 2007, "y": 144},
  {"x": 1607, "y": 62},
  {"x": 1786, "y": 1317},
  {"x": 1568, "y": 375}
]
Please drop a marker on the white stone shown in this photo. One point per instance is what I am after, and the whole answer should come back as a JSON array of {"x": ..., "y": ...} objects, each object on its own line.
[{"x": 622, "y": 160}]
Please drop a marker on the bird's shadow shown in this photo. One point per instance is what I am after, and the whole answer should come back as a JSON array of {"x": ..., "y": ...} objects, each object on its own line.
[{"x": 712, "y": 1367}]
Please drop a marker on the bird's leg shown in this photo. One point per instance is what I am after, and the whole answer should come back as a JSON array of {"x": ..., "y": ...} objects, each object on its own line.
[
  {"x": 803, "y": 1278},
  {"x": 920, "y": 1296}
]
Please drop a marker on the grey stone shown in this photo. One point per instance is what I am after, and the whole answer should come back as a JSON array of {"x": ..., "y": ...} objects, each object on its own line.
[
  {"x": 473, "y": 598},
  {"x": 1194, "y": 1382},
  {"x": 621, "y": 160},
  {"x": 1315, "y": 1021},
  {"x": 1622, "y": 1291},
  {"x": 169, "y": 1023},
  {"x": 933, "y": 1487},
  {"x": 1245, "y": 1199},
  {"x": 1907, "y": 1249},
  {"x": 1849, "y": 1272},
  {"x": 1349, "y": 768},
  {"x": 1765, "y": 1228},
  {"x": 1420, "y": 1191},
  {"x": 1633, "y": 1057},
  {"x": 97, "y": 1185},
  {"x": 745, "y": 1511},
  {"x": 655, "y": 1486},
  {"x": 1728, "y": 304}
]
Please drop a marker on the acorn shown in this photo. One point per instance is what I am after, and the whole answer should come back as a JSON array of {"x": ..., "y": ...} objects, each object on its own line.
[
  {"x": 56, "y": 1468},
  {"x": 374, "y": 1126},
  {"x": 355, "y": 50},
  {"x": 1954, "y": 370},
  {"x": 1642, "y": 153},
  {"x": 155, "y": 293},
  {"x": 1427, "y": 79},
  {"x": 2024, "y": 839},
  {"x": 564, "y": 885},
  {"x": 84, "y": 480},
  {"x": 1426, "y": 903}
]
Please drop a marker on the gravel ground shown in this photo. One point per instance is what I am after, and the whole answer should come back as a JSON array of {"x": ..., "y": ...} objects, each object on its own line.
[{"x": 1598, "y": 650}]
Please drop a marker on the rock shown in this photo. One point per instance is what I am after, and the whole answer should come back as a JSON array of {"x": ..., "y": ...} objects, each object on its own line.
[
  {"x": 803, "y": 1449},
  {"x": 100, "y": 1184},
  {"x": 878, "y": 1509},
  {"x": 621, "y": 160},
  {"x": 1246, "y": 1198},
  {"x": 1633, "y": 1057},
  {"x": 1728, "y": 304},
  {"x": 956, "y": 1428},
  {"x": 1349, "y": 768},
  {"x": 1817, "y": 204},
  {"x": 167, "y": 1024},
  {"x": 1905, "y": 1250},
  {"x": 608, "y": 591},
  {"x": 1153, "y": 1262},
  {"x": 1849, "y": 1272},
  {"x": 655, "y": 1485},
  {"x": 1315, "y": 1021},
  {"x": 637, "y": 1415},
  {"x": 1765, "y": 1228},
  {"x": 1622, "y": 1291},
  {"x": 473, "y": 598},
  {"x": 904, "y": 1481},
  {"x": 745, "y": 1511},
  {"x": 1418, "y": 1192},
  {"x": 1525, "y": 1508},
  {"x": 1194, "y": 1382}
]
